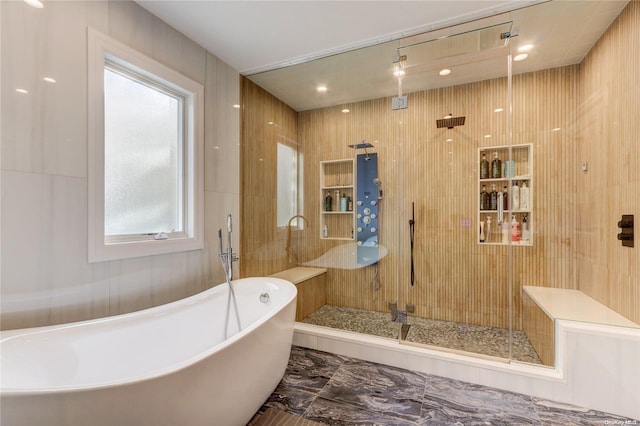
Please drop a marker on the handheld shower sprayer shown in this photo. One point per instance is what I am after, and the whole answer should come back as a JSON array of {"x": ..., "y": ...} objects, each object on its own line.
[
  {"x": 377, "y": 182},
  {"x": 227, "y": 257}
]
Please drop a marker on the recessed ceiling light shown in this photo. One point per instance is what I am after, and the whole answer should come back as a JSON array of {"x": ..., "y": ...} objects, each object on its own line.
[
  {"x": 321, "y": 89},
  {"x": 498, "y": 110},
  {"x": 34, "y": 3},
  {"x": 448, "y": 116},
  {"x": 449, "y": 140},
  {"x": 520, "y": 57},
  {"x": 487, "y": 136},
  {"x": 236, "y": 106},
  {"x": 525, "y": 48},
  {"x": 216, "y": 147},
  {"x": 398, "y": 72},
  {"x": 22, "y": 91},
  {"x": 49, "y": 80},
  {"x": 270, "y": 123},
  {"x": 346, "y": 110},
  {"x": 557, "y": 129},
  {"x": 445, "y": 71}
]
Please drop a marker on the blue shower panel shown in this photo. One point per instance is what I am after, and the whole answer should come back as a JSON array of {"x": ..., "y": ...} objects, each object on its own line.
[{"x": 367, "y": 209}]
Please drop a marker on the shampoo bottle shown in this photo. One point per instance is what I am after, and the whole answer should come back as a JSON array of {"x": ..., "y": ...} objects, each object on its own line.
[
  {"x": 515, "y": 230},
  {"x": 343, "y": 203},
  {"x": 327, "y": 202},
  {"x": 505, "y": 232},
  {"x": 496, "y": 167},
  {"x": 484, "y": 167},
  {"x": 505, "y": 198},
  {"x": 515, "y": 196},
  {"x": 325, "y": 232},
  {"x": 526, "y": 235},
  {"x": 493, "y": 197},
  {"x": 484, "y": 198},
  {"x": 336, "y": 206},
  {"x": 524, "y": 196}
]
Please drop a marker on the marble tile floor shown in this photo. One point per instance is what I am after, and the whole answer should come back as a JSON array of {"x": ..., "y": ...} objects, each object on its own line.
[
  {"x": 331, "y": 389},
  {"x": 490, "y": 341}
]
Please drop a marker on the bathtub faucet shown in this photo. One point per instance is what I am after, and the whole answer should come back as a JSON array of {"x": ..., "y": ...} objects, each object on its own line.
[
  {"x": 227, "y": 257},
  {"x": 293, "y": 256}
]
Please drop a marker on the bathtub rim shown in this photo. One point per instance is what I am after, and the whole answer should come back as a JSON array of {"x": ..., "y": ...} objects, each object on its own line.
[{"x": 155, "y": 374}]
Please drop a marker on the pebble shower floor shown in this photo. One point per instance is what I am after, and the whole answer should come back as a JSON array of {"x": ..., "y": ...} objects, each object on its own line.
[{"x": 490, "y": 341}]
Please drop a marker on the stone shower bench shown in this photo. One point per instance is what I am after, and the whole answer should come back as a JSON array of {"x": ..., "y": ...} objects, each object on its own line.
[
  {"x": 311, "y": 285},
  {"x": 543, "y": 305}
]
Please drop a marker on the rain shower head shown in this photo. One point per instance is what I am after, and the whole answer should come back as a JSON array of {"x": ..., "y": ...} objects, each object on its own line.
[
  {"x": 450, "y": 123},
  {"x": 361, "y": 145}
]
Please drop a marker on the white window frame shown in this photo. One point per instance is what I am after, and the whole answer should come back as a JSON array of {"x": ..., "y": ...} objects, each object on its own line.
[{"x": 101, "y": 49}]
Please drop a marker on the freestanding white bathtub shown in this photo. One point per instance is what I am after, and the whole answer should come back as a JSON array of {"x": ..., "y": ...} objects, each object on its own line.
[{"x": 167, "y": 365}]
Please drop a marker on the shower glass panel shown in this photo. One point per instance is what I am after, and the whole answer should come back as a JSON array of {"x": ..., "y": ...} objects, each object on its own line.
[
  {"x": 434, "y": 265},
  {"x": 455, "y": 285}
]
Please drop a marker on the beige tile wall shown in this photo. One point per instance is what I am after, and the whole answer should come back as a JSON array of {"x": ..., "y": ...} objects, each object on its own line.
[
  {"x": 45, "y": 277},
  {"x": 610, "y": 143},
  {"x": 265, "y": 121}
]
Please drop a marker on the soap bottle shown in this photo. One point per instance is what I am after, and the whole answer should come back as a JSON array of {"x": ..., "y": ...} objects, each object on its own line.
[
  {"x": 482, "y": 237},
  {"x": 349, "y": 204},
  {"x": 484, "y": 198},
  {"x": 493, "y": 197},
  {"x": 526, "y": 235},
  {"x": 484, "y": 167},
  {"x": 496, "y": 167},
  {"x": 505, "y": 232},
  {"x": 505, "y": 198},
  {"x": 343, "y": 203},
  {"x": 515, "y": 196},
  {"x": 325, "y": 232},
  {"x": 327, "y": 202},
  {"x": 515, "y": 229},
  {"x": 524, "y": 196}
]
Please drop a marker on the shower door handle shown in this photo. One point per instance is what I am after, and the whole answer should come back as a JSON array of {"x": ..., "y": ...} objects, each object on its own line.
[{"x": 412, "y": 223}]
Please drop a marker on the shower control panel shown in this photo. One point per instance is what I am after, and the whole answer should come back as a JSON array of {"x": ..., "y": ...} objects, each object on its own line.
[{"x": 367, "y": 209}]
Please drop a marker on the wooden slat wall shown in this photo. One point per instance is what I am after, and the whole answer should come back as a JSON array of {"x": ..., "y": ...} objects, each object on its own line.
[
  {"x": 539, "y": 329},
  {"x": 456, "y": 279},
  {"x": 610, "y": 114},
  {"x": 262, "y": 243}
]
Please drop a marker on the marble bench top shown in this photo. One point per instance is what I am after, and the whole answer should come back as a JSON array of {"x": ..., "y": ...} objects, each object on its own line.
[
  {"x": 575, "y": 305},
  {"x": 299, "y": 274}
]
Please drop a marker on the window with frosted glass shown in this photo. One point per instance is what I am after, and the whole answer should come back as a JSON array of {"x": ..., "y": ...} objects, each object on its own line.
[
  {"x": 287, "y": 193},
  {"x": 143, "y": 156}
]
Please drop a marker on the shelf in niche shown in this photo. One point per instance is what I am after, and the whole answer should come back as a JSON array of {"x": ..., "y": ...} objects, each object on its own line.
[
  {"x": 505, "y": 211},
  {"x": 337, "y": 176},
  {"x": 337, "y": 187},
  {"x": 522, "y": 160},
  {"x": 513, "y": 244},
  {"x": 505, "y": 179},
  {"x": 340, "y": 212}
]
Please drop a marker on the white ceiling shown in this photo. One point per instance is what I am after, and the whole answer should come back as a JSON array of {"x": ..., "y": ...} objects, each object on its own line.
[{"x": 283, "y": 37}]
